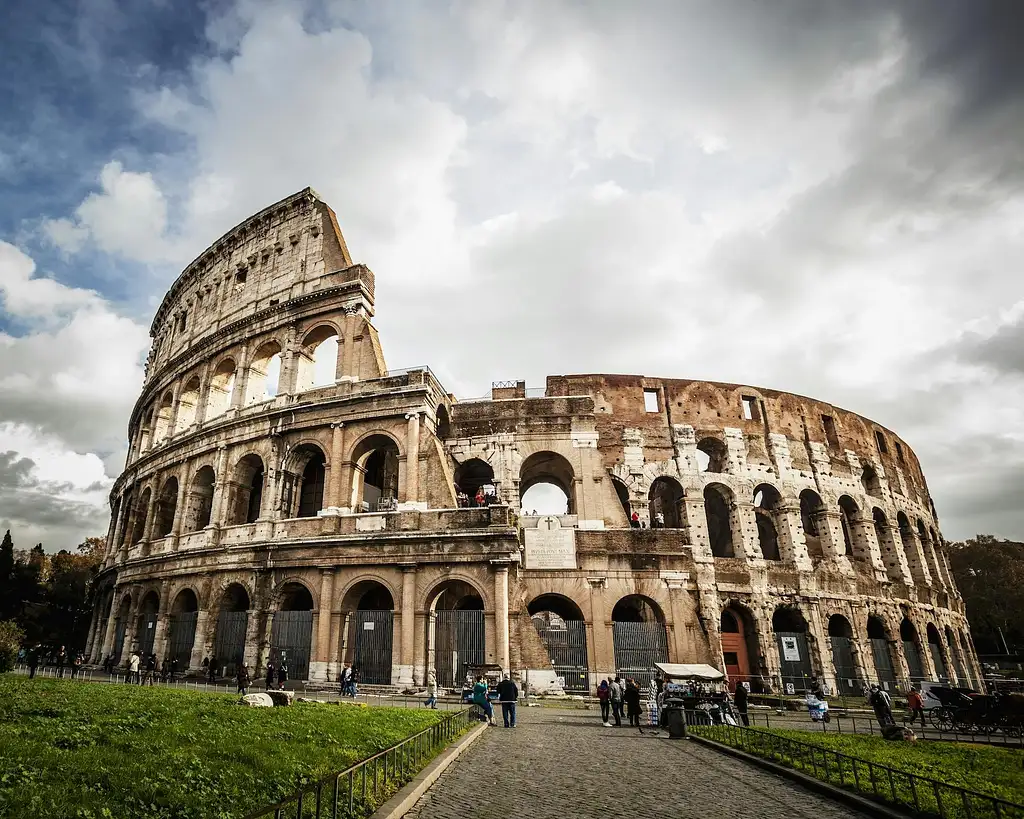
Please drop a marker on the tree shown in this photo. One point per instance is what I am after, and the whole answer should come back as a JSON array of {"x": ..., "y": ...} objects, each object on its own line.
[
  {"x": 11, "y": 638},
  {"x": 990, "y": 576},
  {"x": 7, "y": 590}
]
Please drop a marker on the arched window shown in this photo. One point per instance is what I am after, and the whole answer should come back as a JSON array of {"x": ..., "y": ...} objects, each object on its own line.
[
  {"x": 162, "y": 421},
  {"x": 264, "y": 374},
  {"x": 717, "y": 501},
  {"x": 188, "y": 404},
  {"x": 311, "y": 480},
  {"x": 849, "y": 516},
  {"x": 146, "y": 432},
  {"x": 767, "y": 501},
  {"x": 248, "y": 479},
  {"x": 443, "y": 430},
  {"x": 200, "y": 500},
  {"x": 547, "y": 484},
  {"x": 166, "y": 506},
  {"x": 869, "y": 480},
  {"x": 712, "y": 455},
  {"x": 811, "y": 512},
  {"x": 222, "y": 384},
  {"x": 886, "y": 544},
  {"x": 318, "y": 358},
  {"x": 472, "y": 478},
  {"x": 376, "y": 476},
  {"x": 882, "y": 656},
  {"x": 666, "y": 504},
  {"x": 911, "y": 650}
]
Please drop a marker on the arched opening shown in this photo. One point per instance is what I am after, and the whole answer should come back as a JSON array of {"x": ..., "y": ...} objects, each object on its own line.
[
  {"x": 248, "y": 479},
  {"x": 375, "y": 485},
  {"x": 880, "y": 653},
  {"x": 166, "y": 506},
  {"x": 141, "y": 516},
  {"x": 369, "y": 609},
  {"x": 910, "y": 549},
  {"x": 712, "y": 455},
  {"x": 957, "y": 658},
  {"x": 886, "y": 545},
  {"x": 869, "y": 480},
  {"x": 849, "y": 517},
  {"x": 739, "y": 646},
  {"x": 443, "y": 430},
  {"x": 928, "y": 549},
  {"x": 717, "y": 502},
  {"x": 145, "y": 632},
  {"x": 457, "y": 635},
  {"x": 666, "y": 504},
  {"x": 812, "y": 512},
  {"x": 222, "y": 384},
  {"x": 790, "y": 629},
  {"x": 911, "y": 650},
  {"x": 965, "y": 638},
  {"x": 474, "y": 483},
  {"x": 547, "y": 485},
  {"x": 292, "y": 631},
  {"x": 121, "y": 628},
  {"x": 200, "y": 500},
  {"x": 303, "y": 491},
  {"x": 767, "y": 501},
  {"x": 232, "y": 622},
  {"x": 181, "y": 634},
  {"x": 264, "y": 374},
  {"x": 146, "y": 432},
  {"x": 562, "y": 629},
  {"x": 639, "y": 637},
  {"x": 318, "y": 358},
  {"x": 622, "y": 493},
  {"x": 840, "y": 634},
  {"x": 188, "y": 404},
  {"x": 935, "y": 648},
  {"x": 162, "y": 419}
]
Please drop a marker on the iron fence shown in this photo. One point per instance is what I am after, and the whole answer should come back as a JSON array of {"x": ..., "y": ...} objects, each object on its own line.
[
  {"x": 922, "y": 794},
  {"x": 361, "y": 788}
]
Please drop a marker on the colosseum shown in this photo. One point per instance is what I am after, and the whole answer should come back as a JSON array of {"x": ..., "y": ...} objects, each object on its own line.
[{"x": 287, "y": 497}]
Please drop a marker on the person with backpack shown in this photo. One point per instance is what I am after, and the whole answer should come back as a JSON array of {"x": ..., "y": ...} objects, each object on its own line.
[
  {"x": 604, "y": 694},
  {"x": 616, "y": 698}
]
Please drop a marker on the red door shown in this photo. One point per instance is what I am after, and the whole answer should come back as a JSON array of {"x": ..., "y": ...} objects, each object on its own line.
[{"x": 734, "y": 649}]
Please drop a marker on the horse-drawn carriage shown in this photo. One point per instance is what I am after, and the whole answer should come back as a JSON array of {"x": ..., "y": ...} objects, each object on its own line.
[{"x": 968, "y": 712}]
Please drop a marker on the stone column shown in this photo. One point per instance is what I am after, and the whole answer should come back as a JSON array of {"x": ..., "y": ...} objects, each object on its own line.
[
  {"x": 892, "y": 554},
  {"x": 321, "y": 656},
  {"x": 792, "y": 544},
  {"x": 180, "y": 505},
  {"x": 251, "y": 652},
  {"x": 679, "y": 651},
  {"x": 697, "y": 528},
  {"x": 241, "y": 379},
  {"x": 335, "y": 497},
  {"x": 501, "y": 652},
  {"x": 93, "y": 621},
  {"x": 147, "y": 534},
  {"x": 162, "y": 622},
  {"x": 348, "y": 366},
  {"x": 203, "y": 398},
  {"x": 412, "y": 458},
  {"x": 603, "y": 652},
  {"x": 109, "y": 632},
  {"x": 407, "y": 657},
  {"x": 122, "y": 521},
  {"x": 916, "y": 560},
  {"x": 745, "y": 542},
  {"x": 195, "y": 660},
  {"x": 220, "y": 487}
]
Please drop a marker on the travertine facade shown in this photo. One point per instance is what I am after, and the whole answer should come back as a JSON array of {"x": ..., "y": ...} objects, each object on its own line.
[{"x": 320, "y": 518}]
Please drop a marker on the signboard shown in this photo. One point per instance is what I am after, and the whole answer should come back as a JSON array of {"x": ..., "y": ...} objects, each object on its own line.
[
  {"x": 549, "y": 546},
  {"x": 790, "y": 689},
  {"x": 790, "y": 650},
  {"x": 368, "y": 625}
]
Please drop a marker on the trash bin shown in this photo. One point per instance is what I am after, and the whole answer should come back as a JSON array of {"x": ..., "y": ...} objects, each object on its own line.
[{"x": 675, "y": 722}]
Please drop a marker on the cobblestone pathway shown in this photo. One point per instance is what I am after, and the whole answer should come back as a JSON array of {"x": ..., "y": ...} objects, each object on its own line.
[{"x": 568, "y": 766}]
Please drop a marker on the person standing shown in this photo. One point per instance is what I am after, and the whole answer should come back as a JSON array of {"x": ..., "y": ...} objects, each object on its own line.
[
  {"x": 282, "y": 675},
  {"x": 480, "y": 698},
  {"x": 243, "y": 680},
  {"x": 353, "y": 681},
  {"x": 916, "y": 704},
  {"x": 431, "y": 690},
  {"x": 508, "y": 695},
  {"x": 346, "y": 675},
  {"x": 62, "y": 659},
  {"x": 741, "y": 703},
  {"x": 33, "y": 661},
  {"x": 151, "y": 669},
  {"x": 616, "y": 698},
  {"x": 634, "y": 520},
  {"x": 881, "y": 702},
  {"x": 133, "y": 669},
  {"x": 76, "y": 665},
  {"x": 604, "y": 698},
  {"x": 212, "y": 671},
  {"x": 271, "y": 674},
  {"x": 632, "y": 700}
]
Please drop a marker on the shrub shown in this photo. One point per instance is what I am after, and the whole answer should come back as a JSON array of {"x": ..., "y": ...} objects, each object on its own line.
[{"x": 11, "y": 636}]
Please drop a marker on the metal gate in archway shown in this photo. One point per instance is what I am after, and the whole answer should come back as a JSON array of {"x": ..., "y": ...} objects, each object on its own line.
[
  {"x": 842, "y": 661},
  {"x": 290, "y": 640},
  {"x": 913, "y": 656},
  {"x": 794, "y": 659},
  {"x": 458, "y": 641},
  {"x": 883, "y": 662},
  {"x": 229, "y": 640},
  {"x": 146, "y": 634},
  {"x": 938, "y": 662},
  {"x": 374, "y": 631},
  {"x": 120, "y": 632},
  {"x": 638, "y": 646},
  {"x": 567, "y": 649},
  {"x": 181, "y": 636}
]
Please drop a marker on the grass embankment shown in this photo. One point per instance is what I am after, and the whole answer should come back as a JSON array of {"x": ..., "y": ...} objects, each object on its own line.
[
  {"x": 984, "y": 769},
  {"x": 93, "y": 750}
]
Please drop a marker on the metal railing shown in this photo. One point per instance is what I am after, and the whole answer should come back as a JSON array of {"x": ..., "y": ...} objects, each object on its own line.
[
  {"x": 922, "y": 794},
  {"x": 361, "y": 788}
]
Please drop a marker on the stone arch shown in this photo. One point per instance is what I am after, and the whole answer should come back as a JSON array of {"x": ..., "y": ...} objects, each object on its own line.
[
  {"x": 910, "y": 548},
  {"x": 234, "y": 603},
  {"x": 813, "y": 521},
  {"x": 712, "y": 455},
  {"x": 188, "y": 405},
  {"x": 456, "y": 593},
  {"x": 622, "y": 493},
  {"x": 181, "y": 632},
  {"x": 145, "y": 632},
  {"x": 869, "y": 481},
  {"x": 376, "y": 472},
  {"x": 740, "y": 646},
  {"x": 853, "y": 538},
  {"x": 718, "y": 500},
  {"x": 470, "y": 477},
  {"x": 305, "y": 481},
  {"x": 561, "y": 627},
  {"x": 792, "y": 640},
  {"x": 911, "y": 649},
  {"x": 935, "y": 647},
  {"x": 368, "y": 592},
  {"x": 666, "y": 499},
  {"x": 318, "y": 357},
  {"x": 166, "y": 506},
  {"x": 163, "y": 417},
  {"x": 221, "y": 388},
  {"x": 456, "y": 633},
  {"x": 553, "y": 469},
  {"x": 141, "y": 516},
  {"x": 443, "y": 426},
  {"x": 263, "y": 380},
  {"x": 767, "y": 502},
  {"x": 840, "y": 632},
  {"x": 200, "y": 499},
  {"x": 369, "y": 608},
  {"x": 292, "y": 627},
  {"x": 878, "y": 637},
  {"x": 637, "y": 608},
  {"x": 639, "y": 637},
  {"x": 146, "y": 431},
  {"x": 248, "y": 479},
  {"x": 293, "y": 593},
  {"x": 886, "y": 545}
]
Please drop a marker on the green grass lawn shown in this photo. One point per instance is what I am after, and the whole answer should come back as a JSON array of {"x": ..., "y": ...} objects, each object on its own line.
[
  {"x": 985, "y": 769},
  {"x": 74, "y": 749}
]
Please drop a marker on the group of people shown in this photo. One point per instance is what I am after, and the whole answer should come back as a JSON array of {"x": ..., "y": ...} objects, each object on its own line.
[
  {"x": 486, "y": 495},
  {"x": 657, "y": 521},
  {"x": 277, "y": 675},
  {"x": 508, "y": 696},
  {"x": 62, "y": 660},
  {"x": 349, "y": 681},
  {"x": 619, "y": 698}
]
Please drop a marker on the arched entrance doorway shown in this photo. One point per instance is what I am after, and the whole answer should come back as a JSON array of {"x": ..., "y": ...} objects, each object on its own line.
[
  {"x": 292, "y": 632},
  {"x": 739, "y": 645},
  {"x": 911, "y": 651},
  {"x": 145, "y": 633},
  {"x": 880, "y": 653},
  {"x": 371, "y": 631},
  {"x": 121, "y": 628},
  {"x": 547, "y": 485},
  {"x": 562, "y": 629},
  {"x": 182, "y": 632},
  {"x": 666, "y": 501},
  {"x": 935, "y": 647},
  {"x": 232, "y": 622},
  {"x": 639, "y": 637},
  {"x": 840, "y": 634},
  {"x": 794, "y": 654},
  {"x": 458, "y": 639},
  {"x": 717, "y": 500},
  {"x": 472, "y": 477}
]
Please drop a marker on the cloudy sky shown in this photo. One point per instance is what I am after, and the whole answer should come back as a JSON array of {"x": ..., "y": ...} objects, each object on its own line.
[{"x": 822, "y": 197}]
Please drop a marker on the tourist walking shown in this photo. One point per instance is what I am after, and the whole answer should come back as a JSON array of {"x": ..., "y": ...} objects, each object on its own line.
[
  {"x": 212, "y": 671},
  {"x": 741, "y": 703},
  {"x": 604, "y": 694},
  {"x": 346, "y": 674},
  {"x": 508, "y": 696},
  {"x": 33, "y": 661},
  {"x": 353, "y": 681},
  {"x": 76, "y": 665},
  {"x": 150, "y": 669},
  {"x": 632, "y": 700},
  {"x": 616, "y": 698},
  {"x": 480, "y": 698},
  {"x": 282, "y": 675},
  {"x": 431, "y": 690},
  {"x": 916, "y": 705},
  {"x": 271, "y": 674},
  {"x": 881, "y": 702},
  {"x": 133, "y": 669},
  {"x": 243, "y": 680}
]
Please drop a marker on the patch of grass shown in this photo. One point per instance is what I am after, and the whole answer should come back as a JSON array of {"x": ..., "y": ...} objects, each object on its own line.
[
  {"x": 985, "y": 769},
  {"x": 93, "y": 750}
]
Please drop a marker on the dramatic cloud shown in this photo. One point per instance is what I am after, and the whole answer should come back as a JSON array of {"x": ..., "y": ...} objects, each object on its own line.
[{"x": 824, "y": 198}]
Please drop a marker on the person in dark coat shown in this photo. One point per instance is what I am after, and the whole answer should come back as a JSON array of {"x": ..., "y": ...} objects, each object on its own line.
[
  {"x": 508, "y": 696},
  {"x": 33, "y": 661},
  {"x": 741, "y": 703},
  {"x": 212, "y": 676},
  {"x": 243, "y": 680},
  {"x": 632, "y": 700},
  {"x": 604, "y": 696},
  {"x": 271, "y": 674},
  {"x": 62, "y": 659},
  {"x": 282, "y": 675}
]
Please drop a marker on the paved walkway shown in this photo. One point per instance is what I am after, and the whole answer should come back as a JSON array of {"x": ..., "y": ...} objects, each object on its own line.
[{"x": 569, "y": 766}]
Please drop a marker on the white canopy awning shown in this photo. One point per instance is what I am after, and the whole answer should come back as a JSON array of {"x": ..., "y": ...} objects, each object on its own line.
[{"x": 689, "y": 671}]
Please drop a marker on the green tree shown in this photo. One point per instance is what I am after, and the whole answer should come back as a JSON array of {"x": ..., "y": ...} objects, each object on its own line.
[
  {"x": 11, "y": 638},
  {"x": 990, "y": 576}
]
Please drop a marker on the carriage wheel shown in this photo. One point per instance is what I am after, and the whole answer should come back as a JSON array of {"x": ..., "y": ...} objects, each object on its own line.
[
  {"x": 962, "y": 722},
  {"x": 942, "y": 718},
  {"x": 1011, "y": 726}
]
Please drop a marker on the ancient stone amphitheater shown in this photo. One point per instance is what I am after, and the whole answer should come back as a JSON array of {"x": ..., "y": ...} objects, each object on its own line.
[{"x": 288, "y": 497}]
